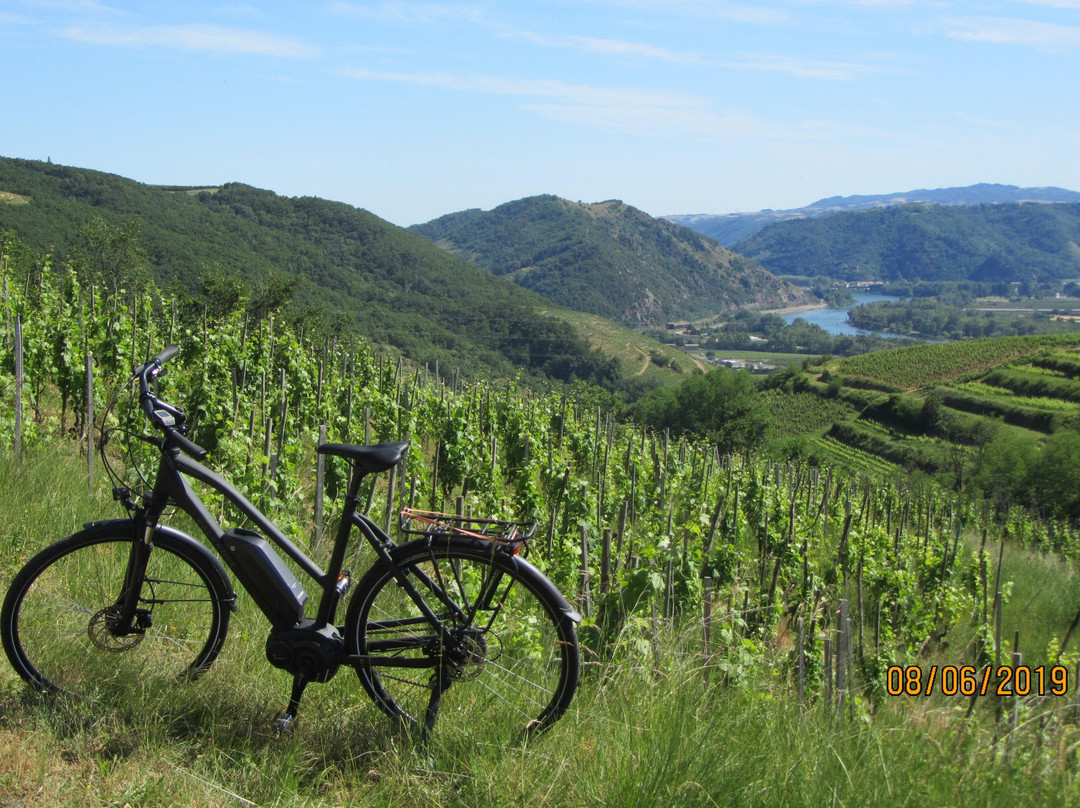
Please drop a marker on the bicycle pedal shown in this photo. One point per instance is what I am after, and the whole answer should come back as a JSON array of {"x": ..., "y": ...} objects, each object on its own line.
[{"x": 284, "y": 724}]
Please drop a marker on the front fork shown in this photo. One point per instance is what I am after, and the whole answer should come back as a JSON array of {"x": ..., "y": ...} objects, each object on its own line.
[{"x": 128, "y": 617}]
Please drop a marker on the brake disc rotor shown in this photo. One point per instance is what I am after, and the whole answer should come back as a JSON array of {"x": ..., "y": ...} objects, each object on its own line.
[{"x": 101, "y": 634}]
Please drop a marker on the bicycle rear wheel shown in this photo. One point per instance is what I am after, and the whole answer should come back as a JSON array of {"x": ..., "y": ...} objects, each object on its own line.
[
  {"x": 511, "y": 662},
  {"x": 58, "y": 616}
]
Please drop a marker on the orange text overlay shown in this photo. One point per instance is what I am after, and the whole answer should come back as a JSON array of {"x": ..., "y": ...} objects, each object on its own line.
[{"x": 966, "y": 680}]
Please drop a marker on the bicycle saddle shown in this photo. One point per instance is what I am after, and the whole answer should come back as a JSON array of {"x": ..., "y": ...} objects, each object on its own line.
[{"x": 368, "y": 459}]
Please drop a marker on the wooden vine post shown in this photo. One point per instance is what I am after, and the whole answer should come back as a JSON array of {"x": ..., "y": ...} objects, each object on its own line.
[
  {"x": 586, "y": 599},
  {"x": 90, "y": 420},
  {"x": 18, "y": 386},
  {"x": 320, "y": 484}
]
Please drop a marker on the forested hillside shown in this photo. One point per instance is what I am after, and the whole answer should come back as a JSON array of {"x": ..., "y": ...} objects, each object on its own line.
[
  {"x": 1009, "y": 243},
  {"x": 343, "y": 268},
  {"x": 730, "y": 228},
  {"x": 609, "y": 259}
]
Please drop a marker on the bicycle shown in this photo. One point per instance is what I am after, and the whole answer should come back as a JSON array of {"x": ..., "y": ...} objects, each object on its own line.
[{"x": 455, "y": 617}]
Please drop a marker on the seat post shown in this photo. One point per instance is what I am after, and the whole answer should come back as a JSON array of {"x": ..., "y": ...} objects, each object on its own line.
[{"x": 341, "y": 541}]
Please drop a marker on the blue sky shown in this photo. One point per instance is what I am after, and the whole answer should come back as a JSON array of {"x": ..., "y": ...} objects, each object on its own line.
[{"x": 416, "y": 109}]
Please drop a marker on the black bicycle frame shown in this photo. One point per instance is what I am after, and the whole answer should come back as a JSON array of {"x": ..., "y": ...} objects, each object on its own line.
[{"x": 170, "y": 486}]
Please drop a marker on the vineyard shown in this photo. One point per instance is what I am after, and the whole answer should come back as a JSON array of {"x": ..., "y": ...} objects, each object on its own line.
[
  {"x": 641, "y": 531},
  {"x": 921, "y": 365}
]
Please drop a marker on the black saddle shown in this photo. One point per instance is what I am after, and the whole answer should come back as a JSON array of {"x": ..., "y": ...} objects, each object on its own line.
[{"x": 368, "y": 459}]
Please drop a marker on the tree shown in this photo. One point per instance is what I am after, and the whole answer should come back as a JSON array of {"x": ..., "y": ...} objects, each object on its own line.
[
  {"x": 1056, "y": 475},
  {"x": 272, "y": 294},
  {"x": 721, "y": 405},
  {"x": 1003, "y": 473},
  {"x": 223, "y": 292},
  {"x": 110, "y": 256}
]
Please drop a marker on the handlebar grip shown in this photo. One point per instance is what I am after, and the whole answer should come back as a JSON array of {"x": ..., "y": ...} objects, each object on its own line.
[
  {"x": 166, "y": 354},
  {"x": 187, "y": 447},
  {"x": 163, "y": 356}
]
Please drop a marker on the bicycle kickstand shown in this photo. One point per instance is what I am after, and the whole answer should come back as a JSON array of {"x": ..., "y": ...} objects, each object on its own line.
[
  {"x": 440, "y": 683},
  {"x": 285, "y": 721}
]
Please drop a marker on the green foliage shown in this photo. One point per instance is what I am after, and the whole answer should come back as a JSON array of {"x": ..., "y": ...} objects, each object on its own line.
[
  {"x": 987, "y": 243},
  {"x": 863, "y": 436},
  {"x": 1010, "y": 409},
  {"x": 801, "y": 413},
  {"x": 294, "y": 256},
  {"x": 931, "y": 318},
  {"x": 608, "y": 259},
  {"x": 922, "y": 365},
  {"x": 720, "y": 405},
  {"x": 1056, "y": 475},
  {"x": 1028, "y": 383}
]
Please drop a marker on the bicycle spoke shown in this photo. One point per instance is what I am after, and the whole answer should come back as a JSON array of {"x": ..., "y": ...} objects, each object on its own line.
[{"x": 501, "y": 659}]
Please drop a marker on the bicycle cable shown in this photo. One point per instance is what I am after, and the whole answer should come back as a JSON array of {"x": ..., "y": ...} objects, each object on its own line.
[{"x": 106, "y": 434}]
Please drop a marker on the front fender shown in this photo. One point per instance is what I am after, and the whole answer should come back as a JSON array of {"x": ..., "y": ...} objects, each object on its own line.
[{"x": 166, "y": 534}]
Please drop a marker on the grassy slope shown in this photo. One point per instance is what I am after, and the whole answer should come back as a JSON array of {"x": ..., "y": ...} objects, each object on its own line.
[
  {"x": 632, "y": 349},
  {"x": 645, "y": 731}
]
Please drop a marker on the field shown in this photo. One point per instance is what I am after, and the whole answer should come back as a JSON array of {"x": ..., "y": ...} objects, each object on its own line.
[{"x": 767, "y": 357}]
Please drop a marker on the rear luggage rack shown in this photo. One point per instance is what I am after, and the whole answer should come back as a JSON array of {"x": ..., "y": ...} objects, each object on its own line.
[{"x": 512, "y": 535}]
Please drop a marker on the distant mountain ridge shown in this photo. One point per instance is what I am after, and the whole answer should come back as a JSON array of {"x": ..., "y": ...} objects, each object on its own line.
[
  {"x": 608, "y": 258},
  {"x": 733, "y": 227},
  {"x": 355, "y": 272},
  {"x": 990, "y": 243}
]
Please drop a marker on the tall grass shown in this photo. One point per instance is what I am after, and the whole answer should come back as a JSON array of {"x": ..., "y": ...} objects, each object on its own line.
[
  {"x": 635, "y": 737},
  {"x": 646, "y": 728},
  {"x": 45, "y": 497}
]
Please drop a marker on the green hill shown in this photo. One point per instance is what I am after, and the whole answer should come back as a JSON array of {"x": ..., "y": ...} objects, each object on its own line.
[
  {"x": 729, "y": 228},
  {"x": 355, "y": 272},
  {"x": 608, "y": 259},
  {"x": 1001, "y": 243},
  {"x": 993, "y": 417}
]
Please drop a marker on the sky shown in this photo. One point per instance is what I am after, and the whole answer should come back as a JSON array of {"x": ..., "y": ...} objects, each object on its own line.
[{"x": 412, "y": 110}]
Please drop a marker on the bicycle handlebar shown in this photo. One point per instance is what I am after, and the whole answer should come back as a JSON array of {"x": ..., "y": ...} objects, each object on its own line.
[
  {"x": 163, "y": 356},
  {"x": 188, "y": 448},
  {"x": 162, "y": 415}
]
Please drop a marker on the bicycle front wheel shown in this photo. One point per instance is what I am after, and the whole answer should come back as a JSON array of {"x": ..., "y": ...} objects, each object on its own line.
[
  {"x": 507, "y": 660},
  {"x": 59, "y": 617}
]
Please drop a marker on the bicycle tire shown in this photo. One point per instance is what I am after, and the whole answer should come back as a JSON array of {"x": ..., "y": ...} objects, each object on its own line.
[
  {"x": 519, "y": 661},
  {"x": 55, "y": 617}
]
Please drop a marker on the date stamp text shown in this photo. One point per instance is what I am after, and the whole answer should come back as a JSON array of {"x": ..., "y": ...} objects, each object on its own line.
[{"x": 966, "y": 680}]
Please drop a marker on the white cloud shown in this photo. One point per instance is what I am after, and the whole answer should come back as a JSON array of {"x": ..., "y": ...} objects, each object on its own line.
[
  {"x": 804, "y": 68},
  {"x": 713, "y": 9},
  {"x": 698, "y": 123},
  {"x": 1054, "y": 3},
  {"x": 529, "y": 88},
  {"x": 193, "y": 36},
  {"x": 621, "y": 108},
  {"x": 1010, "y": 31},
  {"x": 611, "y": 47},
  {"x": 404, "y": 12}
]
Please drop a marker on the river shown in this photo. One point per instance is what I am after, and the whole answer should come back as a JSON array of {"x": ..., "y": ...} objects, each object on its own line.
[{"x": 835, "y": 320}]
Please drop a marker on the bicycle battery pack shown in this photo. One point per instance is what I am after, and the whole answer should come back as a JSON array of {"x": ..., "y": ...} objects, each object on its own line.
[{"x": 271, "y": 584}]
